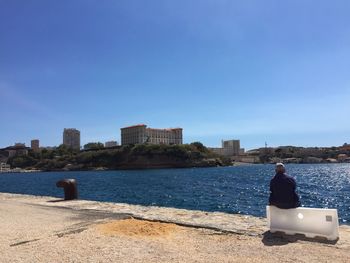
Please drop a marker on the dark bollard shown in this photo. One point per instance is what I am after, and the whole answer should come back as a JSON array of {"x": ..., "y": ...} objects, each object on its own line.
[{"x": 70, "y": 188}]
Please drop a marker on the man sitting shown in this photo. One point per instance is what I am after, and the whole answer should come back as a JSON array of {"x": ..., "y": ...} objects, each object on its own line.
[{"x": 282, "y": 189}]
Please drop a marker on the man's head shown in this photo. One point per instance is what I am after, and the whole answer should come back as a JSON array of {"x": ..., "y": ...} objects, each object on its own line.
[{"x": 280, "y": 168}]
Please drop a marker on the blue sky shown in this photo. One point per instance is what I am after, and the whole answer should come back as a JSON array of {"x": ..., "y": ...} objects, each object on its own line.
[{"x": 275, "y": 71}]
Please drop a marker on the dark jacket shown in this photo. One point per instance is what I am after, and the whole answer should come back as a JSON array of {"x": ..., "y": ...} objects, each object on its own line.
[{"x": 282, "y": 192}]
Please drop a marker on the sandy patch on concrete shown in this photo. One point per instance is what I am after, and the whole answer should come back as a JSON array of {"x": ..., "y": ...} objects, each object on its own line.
[{"x": 135, "y": 227}]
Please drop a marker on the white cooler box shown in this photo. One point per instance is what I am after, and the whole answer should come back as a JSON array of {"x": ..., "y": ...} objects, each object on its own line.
[{"x": 312, "y": 222}]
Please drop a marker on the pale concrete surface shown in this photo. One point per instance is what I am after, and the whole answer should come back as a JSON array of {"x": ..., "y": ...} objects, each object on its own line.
[{"x": 38, "y": 229}]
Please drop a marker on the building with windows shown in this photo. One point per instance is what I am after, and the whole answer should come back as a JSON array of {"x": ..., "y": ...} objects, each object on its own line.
[
  {"x": 111, "y": 144},
  {"x": 4, "y": 167},
  {"x": 19, "y": 149},
  {"x": 217, "y": 150},
  {"x": 34, "y": 145},
  {"x": 71, "y": 138},
  {"x": 139, "y": 134},
  {"x": 229, "y": 148}
]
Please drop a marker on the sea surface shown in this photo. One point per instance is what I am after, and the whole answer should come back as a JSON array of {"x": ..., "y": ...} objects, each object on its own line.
[{"x": 240, "y": 189}]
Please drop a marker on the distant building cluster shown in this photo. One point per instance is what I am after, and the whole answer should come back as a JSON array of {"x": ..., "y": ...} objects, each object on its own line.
[
  {"x": 139, "y": 134},
  {"x": 293, "y": 154}
]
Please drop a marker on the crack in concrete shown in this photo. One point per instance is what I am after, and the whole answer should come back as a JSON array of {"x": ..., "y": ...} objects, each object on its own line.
[{"x": 24, "y": 242}]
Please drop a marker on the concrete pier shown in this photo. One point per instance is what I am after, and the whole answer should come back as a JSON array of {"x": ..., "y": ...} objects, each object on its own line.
[{"x": 47, "y": 229}]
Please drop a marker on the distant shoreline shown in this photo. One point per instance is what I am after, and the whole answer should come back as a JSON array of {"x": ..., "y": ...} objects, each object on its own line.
[{"x": 101, "y": 169}]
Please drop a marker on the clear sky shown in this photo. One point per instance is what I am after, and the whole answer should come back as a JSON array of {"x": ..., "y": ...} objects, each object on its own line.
[{"x": 274, "y": 71}]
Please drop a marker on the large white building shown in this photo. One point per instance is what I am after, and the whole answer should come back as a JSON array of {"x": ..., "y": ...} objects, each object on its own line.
[
  {"x": 139, "y": 134},
  {"x": 71, "y": 138}
]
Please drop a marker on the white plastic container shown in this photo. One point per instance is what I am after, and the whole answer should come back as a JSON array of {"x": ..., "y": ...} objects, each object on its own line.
[{"x": 312, "y": 222}]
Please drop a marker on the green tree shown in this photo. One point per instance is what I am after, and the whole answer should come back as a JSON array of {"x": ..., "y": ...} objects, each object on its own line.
[
  {"x": 22, "y": 161},
  {"x": 200, "y": 147},
  {"x": 94, "y": 146}
]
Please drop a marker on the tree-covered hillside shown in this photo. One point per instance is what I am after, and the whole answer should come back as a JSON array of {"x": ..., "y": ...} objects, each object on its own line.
[{"x": 139, "y": 156}]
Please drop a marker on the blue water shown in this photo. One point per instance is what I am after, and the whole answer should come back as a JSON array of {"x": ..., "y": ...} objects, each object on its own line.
[{"x": 241, "y": 189}]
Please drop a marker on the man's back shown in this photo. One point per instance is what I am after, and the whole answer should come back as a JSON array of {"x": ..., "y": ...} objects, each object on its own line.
[{"x": 282, "y": 188}]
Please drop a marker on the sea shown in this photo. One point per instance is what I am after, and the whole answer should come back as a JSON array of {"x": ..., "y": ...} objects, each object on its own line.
[{"x": 240, "y": 189}]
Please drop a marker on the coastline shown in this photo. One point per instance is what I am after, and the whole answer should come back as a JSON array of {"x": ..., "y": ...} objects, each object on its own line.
[
  {"x": 235, "y": 164},
  {"x": 47, "y": 229},
  {"x": 19, "y": 170}
]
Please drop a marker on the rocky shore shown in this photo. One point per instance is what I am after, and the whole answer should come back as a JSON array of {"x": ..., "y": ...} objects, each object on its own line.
[{"x": 46, "y": 229}]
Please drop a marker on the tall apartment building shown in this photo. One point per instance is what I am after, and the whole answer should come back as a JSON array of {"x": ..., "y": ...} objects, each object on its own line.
[
  {"x": 139, "y": 134},
  {"x": 71, "y": 138},
  {"x": 34, "y": 145}
]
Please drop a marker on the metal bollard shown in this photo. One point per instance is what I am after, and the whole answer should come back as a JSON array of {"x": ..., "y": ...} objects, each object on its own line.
[{"x": 70, "y": 188}]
